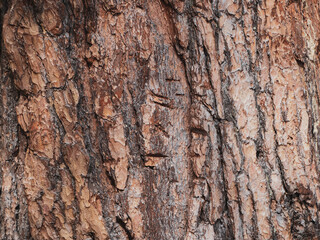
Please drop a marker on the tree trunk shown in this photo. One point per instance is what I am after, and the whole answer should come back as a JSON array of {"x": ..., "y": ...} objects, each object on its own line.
[{"x": 160, "y": 119}]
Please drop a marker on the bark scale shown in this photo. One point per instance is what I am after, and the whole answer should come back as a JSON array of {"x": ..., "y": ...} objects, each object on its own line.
[{"x": 164, "y": 119}]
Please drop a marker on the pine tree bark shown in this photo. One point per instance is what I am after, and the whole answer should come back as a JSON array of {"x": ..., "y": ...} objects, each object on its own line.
[{"x": 159, "y": 119}]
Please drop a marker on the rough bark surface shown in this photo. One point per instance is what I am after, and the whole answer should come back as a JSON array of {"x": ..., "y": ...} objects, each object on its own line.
[{"x": 159, "y": 119}]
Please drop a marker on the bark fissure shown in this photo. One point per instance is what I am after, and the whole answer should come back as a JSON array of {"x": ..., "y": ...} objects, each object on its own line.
[{"x": 159, "y": 119}]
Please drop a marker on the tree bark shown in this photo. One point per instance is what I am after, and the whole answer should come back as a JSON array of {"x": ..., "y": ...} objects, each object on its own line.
[{"x": 159, "y": 119}]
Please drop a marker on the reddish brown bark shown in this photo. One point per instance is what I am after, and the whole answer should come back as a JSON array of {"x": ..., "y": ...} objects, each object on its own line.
[{"x": 159, "y": 119}]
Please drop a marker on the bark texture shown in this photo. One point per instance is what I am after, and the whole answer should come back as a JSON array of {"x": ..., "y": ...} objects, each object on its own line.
[{"x": 159, "y": 119}]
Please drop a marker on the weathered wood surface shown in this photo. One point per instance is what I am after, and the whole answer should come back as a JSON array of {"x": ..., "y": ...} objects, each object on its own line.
[{"x": 159, "y": 119}]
